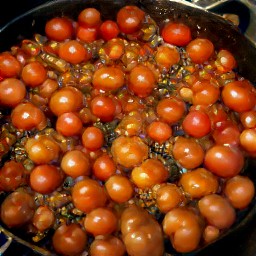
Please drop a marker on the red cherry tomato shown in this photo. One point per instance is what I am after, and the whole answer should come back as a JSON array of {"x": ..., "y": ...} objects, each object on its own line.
[{"x": 109, "y": 30}]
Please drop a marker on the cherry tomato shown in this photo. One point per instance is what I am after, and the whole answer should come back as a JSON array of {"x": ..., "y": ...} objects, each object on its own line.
[
  {"x": 239, "y": 96},
  {"x": 47, "y": 88},
  {"x": 100, "y": 221},
  {"x": 182, "y": 226},
  {"x": 248, "y": 119},
  {"x": 104, "y": 167},
  {"x": 205, "y": 93},
  {"x": 168, "y": 197},
  {"x": 88, "y": 194},
  {"x": 199, "y": 183},
  {"x": 217, "y": 114},
  {"x": 142, "y": 234},
  {"x": 224, "y": 161},
  {"x": 17, "y": 209},
  {"x": 159, "y": 131},
  {"x": 167, "y": 56},
  {"x": 69, "y": 239},
  {"x": 43, "y": 218},
  {"x": 247, "y": 140},
  {"x": 103, "y": 107},
  {"x": 27, "y": 116},
  {"x": 42, "y": 150},
  {"x": 240, "y": 191},
  {"x": 129, "y": 19},
  {"x": 226, "y": 133},
  {"x": 188, "y": 153},
  {"x": 34, "y": 74},
  {"x": 69, "y": 124},
  {"x": 106, "y": 246},
  {"x": 108, "y": 78},
  {"x": 59, "y": 29},
  {"x": 217, "y": 210},
  {"x": 170, "y": 110},
  {"x": 225, "y": 61},
  {"x": 149, "y": 173},
  {"x": 210, "y": 234},
  {"x": 89, "y": 17},
  {"x": 66, "y": 99},
  {"x": 9, "y": 65},
  {"x": 12, "y": 92},
  {"x": 197, "y": 124},
  {"x": 176, "y": 33},
  {"x": 141, "y": 81},
  {"x": 200, "y": 50},
  {"x": 114, "y": 48},
  {"x": 87, "y": 34},
  {"x": 119, "y": 188},
  {"x": 92, "y": 138},
  {"x": 129, "y": 151},
  {"x": 75, "y": 163},
  {"x": 11, "y": 175},
  {"x": 109, "y": 30},
  {"x": 74, "y": 52},
  {"x": 45, "y": 178}
]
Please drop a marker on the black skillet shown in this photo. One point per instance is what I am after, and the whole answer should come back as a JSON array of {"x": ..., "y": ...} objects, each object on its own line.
[{"x": 239, "y": 241}]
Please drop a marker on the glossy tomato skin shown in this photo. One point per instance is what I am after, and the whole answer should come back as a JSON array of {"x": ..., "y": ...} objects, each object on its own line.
[
  {"x": 43, "y": 218},
  {"x": 12, "y": 92},
  {"x": 17, "y": 209},
  {"x": 167, "y": 56},
  {"x": 200, "y": 50},
  {"x": 239, "y": 96},
  {"x": 45, "y": 178},
  {"x": 88, "y": 194},
  {"x": 59, "y": 29},
  {"x": 129, "y": 19},
  {"x": 69, "y": 240},
  {"x": 89, "y": 17},
  {"x": 92, "y": 138},
  {"x": 159, "y": 131},
  {"x": 217, "y": 210},
  {"x": 224, "y": 161},
  {"x": 197, "y": 124},
  {"x": 109, "y": 30},
  {"x": 9, "y": 65},
  {"x": 177, "y": 34}
]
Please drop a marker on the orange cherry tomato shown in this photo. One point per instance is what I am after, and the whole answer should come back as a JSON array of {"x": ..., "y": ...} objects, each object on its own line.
[
  {"x": 89, "y": 17},
  {"x": 92, "y": 138},
  {"x": 9, "y": 65}
]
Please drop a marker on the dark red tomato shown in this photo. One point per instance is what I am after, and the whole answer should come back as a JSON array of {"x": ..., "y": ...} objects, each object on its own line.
[
  {"x": 200, "y": 50},
  {"x": 11, "y": 175},
  {"x": 109, "y": 30},
  {"x": 103, "y": 107},
  {"x": 239, "y": 96},
  {"x": 12, "y": 92},
  {"x": 74, "y": 52},
  {"x": 17, "y": 209},
  {"x": 69, "y": 240},
  {"x": 171, "y": 110},
  {"x": 45, "y": 178},
  {"x": 27, "y": 116},
  {"x": 104, "y": 167},
  {"x": 107, "y": 245},
  {"x": 89, "y": 17},
  {"x": 43, "y": 218},
  {"x": 197, "y": 124},
  {"x": 92, "y": 138},
  {"x": 108, "y": 78},
  {"x": 129, "y": 19},
  {"x": 88, "y": 194},
  {"x": 217, "y": 211},
  {"x": 59, "y": 29},
  {"x": 87, "y": 34},
  {"x": 224, "y": 161},
  {"x": 226, "y": 133},
  {"x": 66, "y": 99},
  {"x": 9, "y": 65},
  {"x": 225, "y": 61},
  {"x": 34, "y": 74},
  {"x": 141, "y": 81},
  {"x": 69, "y": 124},
  {"x": 176, "y": 33}
]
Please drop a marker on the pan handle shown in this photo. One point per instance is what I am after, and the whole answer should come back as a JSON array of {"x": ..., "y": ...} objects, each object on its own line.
[{"x": 212, "y": 5}]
